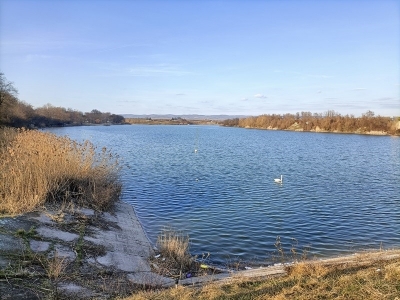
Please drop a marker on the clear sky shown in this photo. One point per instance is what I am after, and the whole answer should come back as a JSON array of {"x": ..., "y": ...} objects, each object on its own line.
[{"x": 204, "y": 57}]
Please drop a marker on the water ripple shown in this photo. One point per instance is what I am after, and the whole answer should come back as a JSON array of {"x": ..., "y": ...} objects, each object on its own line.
[{"x": 340, "y": 194}]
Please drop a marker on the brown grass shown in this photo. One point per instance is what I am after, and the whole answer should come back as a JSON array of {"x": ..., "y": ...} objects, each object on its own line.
[
  {"x": 7, "y": 134},
  {"x": 367, "y": 279},
  {"x": 174, "y": 246},
  {"x": 54, "y": 266},
  {"x": 38, "y": 167}
]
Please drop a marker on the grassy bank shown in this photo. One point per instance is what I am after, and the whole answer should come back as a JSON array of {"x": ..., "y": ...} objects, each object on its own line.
[
  {"x": 39, "y": 167},
  {"x": 368, "y": 277}
]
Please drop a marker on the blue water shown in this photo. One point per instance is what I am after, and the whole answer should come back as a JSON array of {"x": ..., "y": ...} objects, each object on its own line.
[{"x": 340, "y": 193}]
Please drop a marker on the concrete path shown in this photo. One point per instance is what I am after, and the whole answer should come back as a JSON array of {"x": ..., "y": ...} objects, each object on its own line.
[
  {"x": 113, "y": 244},
  {"x": 128, "y": 248}
]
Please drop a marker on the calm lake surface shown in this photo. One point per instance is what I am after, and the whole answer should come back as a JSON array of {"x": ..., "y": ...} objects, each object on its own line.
[{"x": 340, "y": 192}]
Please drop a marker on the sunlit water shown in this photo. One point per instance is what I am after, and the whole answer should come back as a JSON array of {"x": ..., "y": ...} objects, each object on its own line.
[{"x": 340, "y": 193}]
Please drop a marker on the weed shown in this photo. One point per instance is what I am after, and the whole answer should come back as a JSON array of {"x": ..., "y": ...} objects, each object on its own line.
[
  {"x": 54, "y": 268},
  {"x": 175, "y": 245},
  {"x": 279, "y": 248},
  {"x": 174, "y": 250},
  {"x": 79, "y": 246},
  {"x": 292, "y": 254},
  {"x": 26, "y": 236},
  {"x": 235, "y": 264}
]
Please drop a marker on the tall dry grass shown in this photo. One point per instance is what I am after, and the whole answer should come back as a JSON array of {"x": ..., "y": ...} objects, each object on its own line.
[
  {"x": 38, "y": 167},
  {"x": 7, "y": 134},
  {"x": 173, "y": 243},
  {"x": 174, "y": 246}
]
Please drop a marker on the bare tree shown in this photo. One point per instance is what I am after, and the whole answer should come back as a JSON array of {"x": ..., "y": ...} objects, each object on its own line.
[{"x": 7, "y": 89}]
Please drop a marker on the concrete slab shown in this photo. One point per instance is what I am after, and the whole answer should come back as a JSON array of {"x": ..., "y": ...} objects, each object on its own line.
[
  {"x": 127, "y": 246},
  {"x": 151, "y": 279},
  {"x": 53, "y": 233},
  {"x": 204, "y": 279},
  {"x": 23, "y": 222},
  {"x": 5, "y": 221},
  {"x": 224, "y": 278},
  {"x": 4, "y": 263},
  {"x": 119, "y": 235},
  {"x": 109, "y": 217},
  {"x": 72, "y": 289},
  {"x": 86, "y": 211},
  {"x": 10, "y": 243},
  {"x": 65, "y": 252},
  {"x": 39, "y": 246},
  {"x": 263, "y": 272},
  {"x": 130, "y": 241},
  {"x": 43, "y": 218},
  {"x": 124, "y": 262}
]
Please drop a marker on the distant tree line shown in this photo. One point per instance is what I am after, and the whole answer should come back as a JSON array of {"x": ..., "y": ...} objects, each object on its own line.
[
  {"x": 150, "y": 121},
  {"x": 17, "y": 113},
  {"x": 329, "y": 121}
]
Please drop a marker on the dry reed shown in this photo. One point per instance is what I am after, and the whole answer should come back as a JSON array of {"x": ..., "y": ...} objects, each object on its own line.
[
  {"x": 174, "y": 246},
  {"x": 38, "y": 167}
]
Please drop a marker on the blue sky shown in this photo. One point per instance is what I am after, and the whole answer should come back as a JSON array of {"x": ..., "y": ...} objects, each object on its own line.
[{"x": 204, "y": 57}]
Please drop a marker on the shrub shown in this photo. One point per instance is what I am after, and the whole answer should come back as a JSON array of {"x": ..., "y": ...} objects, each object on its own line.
[{"x": 39, "y": 167}]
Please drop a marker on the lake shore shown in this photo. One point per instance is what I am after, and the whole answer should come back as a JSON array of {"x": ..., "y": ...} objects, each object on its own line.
[
  {"x": 359, "y": 132},
  {"x": 102, "y": 254}
]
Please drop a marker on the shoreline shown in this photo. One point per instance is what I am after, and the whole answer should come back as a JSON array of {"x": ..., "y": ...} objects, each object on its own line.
[
  {"x": 111, "y": 242},
  {"x": 371, "y": 133}
]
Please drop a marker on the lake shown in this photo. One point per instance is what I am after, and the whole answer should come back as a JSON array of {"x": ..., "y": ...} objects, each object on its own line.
[{"x": 340, "y": 192}]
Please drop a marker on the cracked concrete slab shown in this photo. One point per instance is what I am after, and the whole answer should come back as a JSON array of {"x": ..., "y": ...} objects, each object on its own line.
[
  {"x": 53, "y": 233},
  {"x": 72, "y": 289},
  {"x": 204, "y": 279},
  {"x": 114, "y": 244},
  {"x": 65, "y": 252},
  {"x": 10, "y": 243},
  {"x": 109, "y": 217},
  {"x": 127, "y": 247},
  {"x": 39, "y": 246},
  {"x": 124, "y": 262},
  {"x": 4, "y": 262},
  {"x": 43, "y": 218},
  {"x": 151, "y": 279},
  {"x": 86, "y": 211}
]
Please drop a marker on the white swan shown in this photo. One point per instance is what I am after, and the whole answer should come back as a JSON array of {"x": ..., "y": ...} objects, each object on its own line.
[{"x": 277, "y": 180}]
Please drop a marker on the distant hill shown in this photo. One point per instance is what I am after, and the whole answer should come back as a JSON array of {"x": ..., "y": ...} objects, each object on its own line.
[{"x": 187, "y": 117}]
